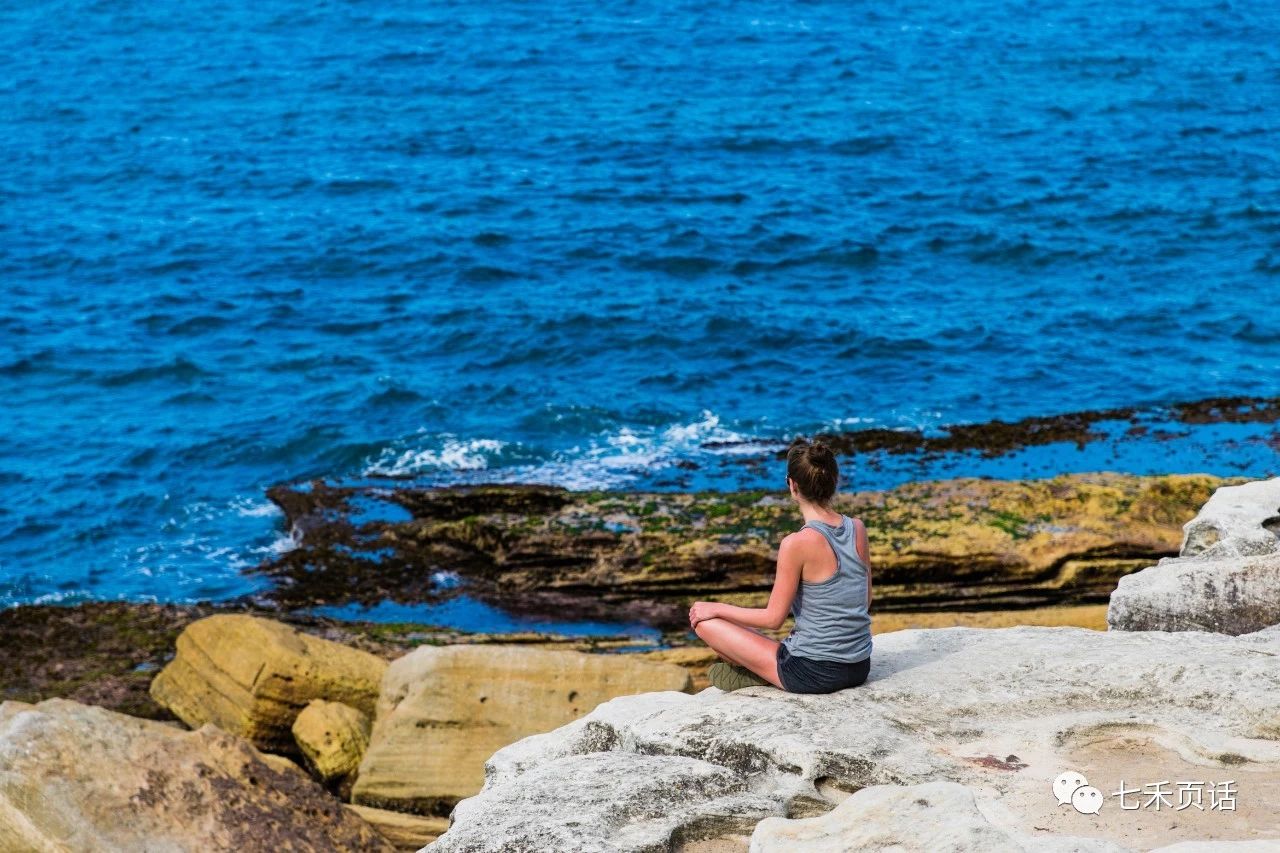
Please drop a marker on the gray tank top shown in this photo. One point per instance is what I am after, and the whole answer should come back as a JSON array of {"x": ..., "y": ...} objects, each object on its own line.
[{"x": 832, "y": 622}]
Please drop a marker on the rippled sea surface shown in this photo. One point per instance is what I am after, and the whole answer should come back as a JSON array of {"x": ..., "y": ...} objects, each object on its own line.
[{"x": 249, "y": 243}]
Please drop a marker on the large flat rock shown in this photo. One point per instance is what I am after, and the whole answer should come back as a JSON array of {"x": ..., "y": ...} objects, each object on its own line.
[
  {"x": 443, "y": 711},
  {"x": 1000, "y": 711},
  {"x": 1227, "y": 577},
  {"x": 78, "y": 778},
  {"x": 252, "y": 677}
]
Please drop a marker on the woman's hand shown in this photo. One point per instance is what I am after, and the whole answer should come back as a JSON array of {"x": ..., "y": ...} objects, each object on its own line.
[{"x": 702, "y": 610}]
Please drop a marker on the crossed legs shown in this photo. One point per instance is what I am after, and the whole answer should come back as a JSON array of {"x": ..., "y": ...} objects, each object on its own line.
[{"x": 742, "y": 646}]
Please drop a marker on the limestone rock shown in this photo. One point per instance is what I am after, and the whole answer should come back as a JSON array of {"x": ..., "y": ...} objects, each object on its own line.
[
  {"x": 932, "y": 816},
  {"x": 1227, "y": 578},
  {"x": 444, "y": 710},
  {"x": 1230, "y": 595},
  {"x": 1000, "y": 711},
  {"x": 631, "y": 803},
  {"x": 405, "y": 831},
  {"x": 252, "y": 676},
  {"x": 332, "y": 737},
  {"x": 1236, "y": 521},
  {"x": 78, "y": 777}
]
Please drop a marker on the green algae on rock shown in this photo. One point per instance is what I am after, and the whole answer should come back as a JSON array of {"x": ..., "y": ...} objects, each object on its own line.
[{"x": 953, "y": 544}]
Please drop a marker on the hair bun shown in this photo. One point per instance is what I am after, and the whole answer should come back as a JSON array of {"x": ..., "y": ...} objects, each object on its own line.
[{"x": 819, "y": 453}]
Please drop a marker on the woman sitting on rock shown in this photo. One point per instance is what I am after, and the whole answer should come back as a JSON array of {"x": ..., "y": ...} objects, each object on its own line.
[{"x": 823, "y": 577}]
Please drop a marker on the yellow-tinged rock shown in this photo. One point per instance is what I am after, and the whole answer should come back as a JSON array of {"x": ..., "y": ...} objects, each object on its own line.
[
  {"x": 252, "y": 676},
  {"x": 405, "y": 831},
  {"x": 444, "y": 710},
  {"x": 332, "y": 737}
]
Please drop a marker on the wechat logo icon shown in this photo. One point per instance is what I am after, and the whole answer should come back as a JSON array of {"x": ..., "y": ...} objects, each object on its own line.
[{"x": 1073, "y": 788}]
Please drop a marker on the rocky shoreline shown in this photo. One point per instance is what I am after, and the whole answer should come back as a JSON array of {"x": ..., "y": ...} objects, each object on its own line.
[
  {"x": 360, "y": 735},
  {"x": 976, "y": 552},
  {"x": 643, "y": 557}
]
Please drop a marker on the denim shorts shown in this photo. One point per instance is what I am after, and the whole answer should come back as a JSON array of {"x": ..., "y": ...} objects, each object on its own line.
[{"x": 806, "y": 675}]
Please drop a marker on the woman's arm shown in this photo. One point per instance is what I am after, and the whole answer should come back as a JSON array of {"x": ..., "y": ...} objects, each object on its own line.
[
  {"x": 864, "y": 551},
  {"x": 785, "y": 582}
]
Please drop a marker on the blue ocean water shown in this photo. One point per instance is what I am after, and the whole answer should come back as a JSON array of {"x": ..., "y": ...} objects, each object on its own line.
[{"x": 250, "y": 243}]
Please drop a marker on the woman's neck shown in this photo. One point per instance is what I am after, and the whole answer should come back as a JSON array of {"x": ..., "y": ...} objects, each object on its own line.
[{"x": 813, "y": 512}]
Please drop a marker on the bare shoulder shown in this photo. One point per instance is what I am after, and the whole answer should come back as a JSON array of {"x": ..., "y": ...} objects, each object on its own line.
[
  {"x": 803, "y": 539},
  {"x": 800, "y": 537}
]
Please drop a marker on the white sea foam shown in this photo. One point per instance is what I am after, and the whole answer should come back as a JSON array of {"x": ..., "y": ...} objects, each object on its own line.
[
  {"x": 452, "y": 454},
  {"x": 609, "y": 460},
  {"x": 192, "y": 556},
  {"x": 838, "y": 424},
  {"x": 616, "y": 459},
  {"x": 60, "y": 597},
  {"x": 250, "y": 508},
  {"x": 282, "y": 544}
]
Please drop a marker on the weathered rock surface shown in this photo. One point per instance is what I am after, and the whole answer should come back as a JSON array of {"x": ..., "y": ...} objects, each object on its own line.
[
  {"x": 332, "y": 737},
  {"x": 252, "y": 676},
  {"x": 405, "y": 831},
  {"x": 611, "y": 801},
  {"x": 444, "y": 711},
  {"x": 965, "y": 543},
  {"x": 74, "y": 777},
  {"x": 1236, "y": 521},
  {"x": 1232, "y": 595},
  {"x": 931, "y": 816},
  {"x": 1001, "y": 711},
  {"x": 939, "y": 816},
  {"x": 1227, "y": 578}
]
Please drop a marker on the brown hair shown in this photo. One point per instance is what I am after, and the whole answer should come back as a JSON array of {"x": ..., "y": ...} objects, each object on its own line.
[{"x": 812, "y": 466}]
